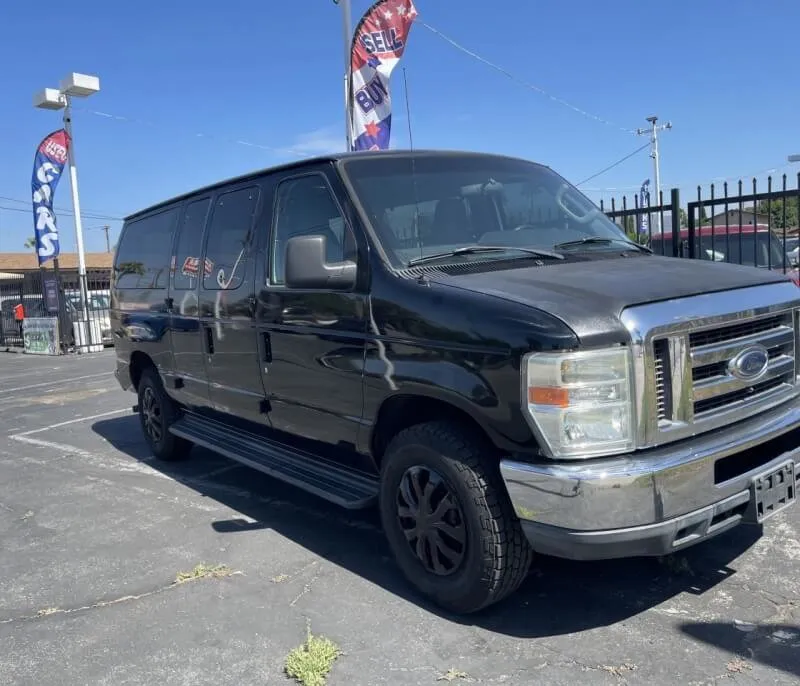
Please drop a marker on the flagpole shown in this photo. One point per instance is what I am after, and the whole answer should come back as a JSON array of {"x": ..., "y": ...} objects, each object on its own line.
[{"x": 347, "y": 38}]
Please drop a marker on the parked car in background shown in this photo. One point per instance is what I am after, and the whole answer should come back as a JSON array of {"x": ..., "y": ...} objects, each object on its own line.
[
  {"x": 793, "y": 250},
  {"x": 99, "y": 307},
  {"x": 750, "y": 245}
]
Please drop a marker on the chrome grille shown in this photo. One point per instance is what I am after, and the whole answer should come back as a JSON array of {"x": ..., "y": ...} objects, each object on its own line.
[
  {"x": 686, "y": 382},
  {"x": 661, "y": 350},
  {"x": 715, "y": 388}
]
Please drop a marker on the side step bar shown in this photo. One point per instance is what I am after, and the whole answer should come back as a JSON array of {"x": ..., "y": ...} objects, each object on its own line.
[{"x": 325, "y": 478}]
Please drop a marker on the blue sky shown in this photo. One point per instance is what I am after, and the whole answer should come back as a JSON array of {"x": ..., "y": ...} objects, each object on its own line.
[{"x": 269, "y": 73}]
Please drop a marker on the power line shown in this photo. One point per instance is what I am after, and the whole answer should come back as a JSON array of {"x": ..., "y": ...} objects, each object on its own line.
[
  {"x": 775, "y": 172},
  {"x": 91, "y": 214},
  {"x": 62, "y": 210},
  {"x": 522, "y": 81},
  {"x": 65, "y": 212},
  {"x": 210, "y": 136},
  {"x": 618, "y": 162}
]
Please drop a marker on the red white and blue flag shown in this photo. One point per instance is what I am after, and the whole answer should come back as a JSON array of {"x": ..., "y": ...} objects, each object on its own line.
[
  {"x": 51, "y": 156},
  {"x": 378, "y": 44}
]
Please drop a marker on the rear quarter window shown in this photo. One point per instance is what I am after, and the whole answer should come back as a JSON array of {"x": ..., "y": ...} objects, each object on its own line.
[{"x": 143, "y": 255}]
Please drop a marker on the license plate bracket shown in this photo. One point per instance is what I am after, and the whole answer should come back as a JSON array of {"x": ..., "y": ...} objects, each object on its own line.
[{"x": 772, "y": 491}]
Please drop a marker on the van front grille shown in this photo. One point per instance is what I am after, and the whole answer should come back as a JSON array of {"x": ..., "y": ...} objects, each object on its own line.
[
  {"x": 713, "y": 360},
  {"x": 714, "y": 384},
  {"x": 661, "y": 349}
]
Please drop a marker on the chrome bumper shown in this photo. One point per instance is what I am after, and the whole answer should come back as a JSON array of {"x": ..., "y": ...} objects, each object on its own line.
[{"x": 653, "y": 502}]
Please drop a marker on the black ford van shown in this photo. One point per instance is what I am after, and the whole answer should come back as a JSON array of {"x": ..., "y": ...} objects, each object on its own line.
[{"x": 468, "y": 341}]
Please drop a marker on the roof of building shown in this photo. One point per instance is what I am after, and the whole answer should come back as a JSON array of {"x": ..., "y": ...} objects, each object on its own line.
[{"x": 26, "y": 261}]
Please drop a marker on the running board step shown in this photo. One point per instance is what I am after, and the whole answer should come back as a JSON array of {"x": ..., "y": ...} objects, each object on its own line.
[{"x": 325, "y": 478}]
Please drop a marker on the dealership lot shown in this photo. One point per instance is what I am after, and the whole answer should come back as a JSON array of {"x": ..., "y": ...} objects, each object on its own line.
[{"x": 93, "y": 533}]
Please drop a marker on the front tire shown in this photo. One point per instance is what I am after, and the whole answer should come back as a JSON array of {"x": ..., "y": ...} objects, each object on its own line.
[
  {"x": 157, "y": 412},
  {"x": 448, "y": 519}
]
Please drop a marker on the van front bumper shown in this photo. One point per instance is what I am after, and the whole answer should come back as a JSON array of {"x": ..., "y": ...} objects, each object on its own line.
[{"x": 657, "y": 501}]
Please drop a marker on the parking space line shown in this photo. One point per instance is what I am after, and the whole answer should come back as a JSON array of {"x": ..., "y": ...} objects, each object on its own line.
[
  {"x": 91, "y": 458},
  {"x": 69, "y": 421},
  {"x": 55, "y": 382}
]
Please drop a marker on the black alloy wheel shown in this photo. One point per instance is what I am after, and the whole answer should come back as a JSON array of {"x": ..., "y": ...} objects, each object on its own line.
[
  {"x": 432, "y": 520},
  {"x": 448, "y": 519},
  {"x": 157, "y": 413},
  {"x": 152, "y": 417}
]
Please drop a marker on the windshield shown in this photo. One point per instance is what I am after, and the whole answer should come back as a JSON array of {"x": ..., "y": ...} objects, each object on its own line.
[{"x": 430, "y": 204}]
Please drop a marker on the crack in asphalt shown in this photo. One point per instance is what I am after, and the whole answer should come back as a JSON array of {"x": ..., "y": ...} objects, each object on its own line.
[{"x": 55, "y": 611}]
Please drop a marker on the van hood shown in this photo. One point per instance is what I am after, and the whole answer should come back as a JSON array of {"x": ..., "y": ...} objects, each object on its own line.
[{"x": 589, "y": 296}]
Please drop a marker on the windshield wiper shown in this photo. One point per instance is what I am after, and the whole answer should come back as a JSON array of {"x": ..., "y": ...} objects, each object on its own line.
[
  {"x": 472, "y": 249},
  {"x": 598, "y": 240}
]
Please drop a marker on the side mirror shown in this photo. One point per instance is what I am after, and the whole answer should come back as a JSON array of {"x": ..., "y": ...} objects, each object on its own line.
[{"x": 306, "y": 266}]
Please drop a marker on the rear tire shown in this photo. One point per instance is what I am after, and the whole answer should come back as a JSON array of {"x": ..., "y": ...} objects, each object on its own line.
[
  {"x": 448, "y": 519},
  {"x": 157, "y": 412}
]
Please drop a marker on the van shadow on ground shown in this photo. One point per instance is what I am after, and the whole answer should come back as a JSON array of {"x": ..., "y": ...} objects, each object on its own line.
[{"x": 559, "y": 597}]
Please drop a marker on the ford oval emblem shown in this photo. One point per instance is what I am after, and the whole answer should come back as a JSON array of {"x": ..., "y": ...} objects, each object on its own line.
[{"x": 750, "y": 363}]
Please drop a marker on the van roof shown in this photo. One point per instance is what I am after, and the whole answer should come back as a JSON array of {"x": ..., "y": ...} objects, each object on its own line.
[{"x": 300, "y": 164}]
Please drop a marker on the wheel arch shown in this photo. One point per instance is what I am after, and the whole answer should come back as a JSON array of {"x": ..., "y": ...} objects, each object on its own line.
[
  {"x": 139, "y": 362},
  {"x": 406, "y": 409}
]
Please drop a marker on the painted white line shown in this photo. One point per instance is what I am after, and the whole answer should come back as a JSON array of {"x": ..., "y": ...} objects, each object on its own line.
[
  {"x": 71, "y": 421},
  {"x": 55, "y": 382},
  {"x": 91, "y": 458}
]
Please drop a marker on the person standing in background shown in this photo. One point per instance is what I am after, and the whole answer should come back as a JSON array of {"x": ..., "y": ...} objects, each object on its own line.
[{"x": 19, "y": 315}]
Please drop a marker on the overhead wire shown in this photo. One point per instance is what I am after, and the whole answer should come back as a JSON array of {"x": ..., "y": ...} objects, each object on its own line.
[
  {"x": 89, "y": 214},
  {"x": 772, "y": 171},
  {"x": 210, "y": 136},
  {"x": 520, "y": 80},
  {"x": 65, "y": 212},
  {"x": 615, "y": 164}
]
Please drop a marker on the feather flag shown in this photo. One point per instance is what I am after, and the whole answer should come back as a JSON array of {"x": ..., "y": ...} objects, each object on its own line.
[
  {"x": 378, "y": 44},
  {"x": 51, "y": 156}
]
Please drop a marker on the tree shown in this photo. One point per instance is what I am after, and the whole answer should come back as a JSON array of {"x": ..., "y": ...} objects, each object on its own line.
[
  {"x": 30, "y": 243},
  {"x": 775, "y": 210},
  {"x": 700, "y": 218}
]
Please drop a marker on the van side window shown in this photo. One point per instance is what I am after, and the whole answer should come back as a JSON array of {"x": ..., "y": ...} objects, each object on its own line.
[
  {"x": 186, "y": 269},
  {"x": 143, "y": 256},
  {"x": 228, "y": 238},
  {"x": 305, "y": 207}
]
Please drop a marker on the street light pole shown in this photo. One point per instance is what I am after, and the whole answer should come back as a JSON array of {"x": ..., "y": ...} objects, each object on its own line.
[
  {"x": 794, "y": 158},
  {"x": 76, "y": 208},
  {"x": 653, "y": 131},
  {"x": 79, "y": 86}
]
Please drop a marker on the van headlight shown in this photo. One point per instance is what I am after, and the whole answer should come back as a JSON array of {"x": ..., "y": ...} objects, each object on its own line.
[{"x": 580, "y": 404}]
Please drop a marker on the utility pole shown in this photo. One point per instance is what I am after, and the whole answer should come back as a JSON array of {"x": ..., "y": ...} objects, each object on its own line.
[
  {"x": 653, "y": 131},
  {"x": 108, "y": 243}
]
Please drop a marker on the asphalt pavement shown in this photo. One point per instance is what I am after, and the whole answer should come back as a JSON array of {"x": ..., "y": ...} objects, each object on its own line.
[{"x": 94, "y": 531}]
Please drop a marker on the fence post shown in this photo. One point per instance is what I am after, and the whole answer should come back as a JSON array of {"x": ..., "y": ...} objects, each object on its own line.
[
  {"x": 64, "y": 323},
  {"x": 675, "y": 196}
]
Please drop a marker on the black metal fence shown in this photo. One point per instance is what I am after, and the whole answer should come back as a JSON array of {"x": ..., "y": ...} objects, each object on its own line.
[
  {"x": 748, "y": 226},
  {"x": 56, "y": 316},
  {"x": 639, "y": 221}
]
